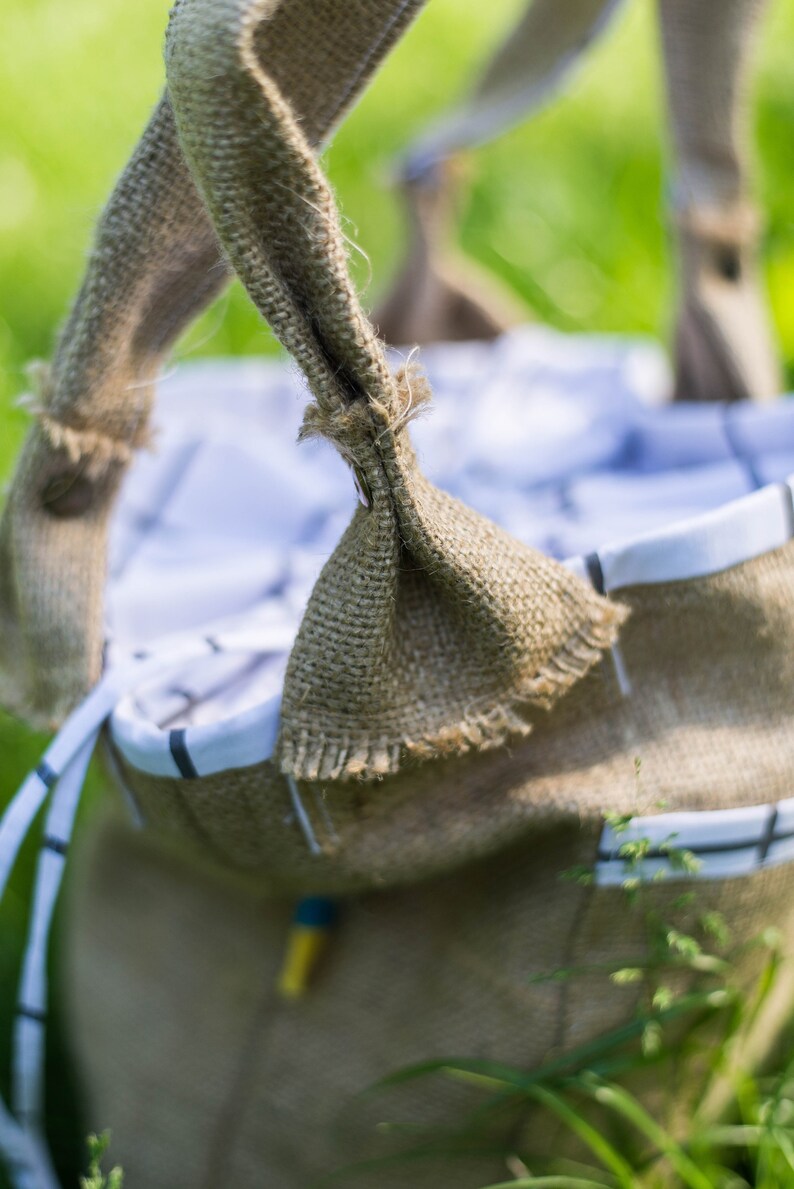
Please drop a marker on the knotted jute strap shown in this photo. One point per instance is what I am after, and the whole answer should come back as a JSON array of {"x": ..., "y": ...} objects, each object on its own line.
[
  {"x": 156, "y": 263},
  {"x": 429, "y": 629}
]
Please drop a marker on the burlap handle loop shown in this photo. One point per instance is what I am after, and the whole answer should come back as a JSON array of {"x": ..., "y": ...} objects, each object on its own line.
[
  {"x": 430, "y": 630},
  {"x": 155, "y": 264}
]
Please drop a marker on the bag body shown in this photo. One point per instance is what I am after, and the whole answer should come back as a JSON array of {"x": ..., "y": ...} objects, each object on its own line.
[
  {"x": 454, "y": 906},
  {"x": 206, "y": 1075},
  {"x": 707, "y": 595},
  {"x": 443, "y": 729}
]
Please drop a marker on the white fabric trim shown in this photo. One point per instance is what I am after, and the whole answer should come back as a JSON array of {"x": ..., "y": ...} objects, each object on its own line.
[
  {"x": 213, "y": 749},
  {"x": 740, "y": 531},
  {"x": 24, "y": 1143},
  {"x": 28, "y": 1046},
  {"x": 727, "y": 866},
  {"x": 725, "y": 842},
  {"x": 26, "y": 1158}
]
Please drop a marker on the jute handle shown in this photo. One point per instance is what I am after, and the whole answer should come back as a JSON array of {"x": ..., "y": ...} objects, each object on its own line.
[
  {"x": 430, "y": 631},
  {"x": 440, "y": 294},
  {"x": 155, "y": 265},
  {"x": 268, "y": 198},
  {"x": 548, "y": 40}
]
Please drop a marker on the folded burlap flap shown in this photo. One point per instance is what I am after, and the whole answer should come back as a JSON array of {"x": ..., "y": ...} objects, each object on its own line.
[{"x": 429, "y": 629}]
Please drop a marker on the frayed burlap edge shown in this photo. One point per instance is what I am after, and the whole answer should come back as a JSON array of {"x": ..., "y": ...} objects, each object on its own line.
[
  {"x": 303, "y": 757},
  {"x": 93, "y": 447}
]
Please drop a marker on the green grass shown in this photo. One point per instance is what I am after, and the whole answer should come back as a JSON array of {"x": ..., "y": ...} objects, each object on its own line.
[
  {"x": 567, "y": 210},
  {"x": 97, "y": 1147},
  {"x": 588, "y": 1125}
]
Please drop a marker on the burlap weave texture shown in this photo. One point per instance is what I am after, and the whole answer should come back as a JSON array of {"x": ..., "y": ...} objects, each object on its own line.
[
  {"x": 207, "y": 1078},
  {"x": 706, "y": 659},
  {"x": 428, "y": 628}
]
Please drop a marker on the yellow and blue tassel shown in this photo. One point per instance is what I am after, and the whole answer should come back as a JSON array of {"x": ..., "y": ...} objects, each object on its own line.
[{"x": 311, "y": 928}]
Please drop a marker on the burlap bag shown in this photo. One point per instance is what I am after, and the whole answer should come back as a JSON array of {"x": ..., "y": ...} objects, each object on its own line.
[
  {"x": 417, "y": 698},
  {"x": 434, "y": 631}
]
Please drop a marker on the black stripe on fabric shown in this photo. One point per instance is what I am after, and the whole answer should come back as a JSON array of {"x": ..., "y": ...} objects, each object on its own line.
[
  {"x": 58, "y": 845},
  {"x": 595, "y": 572},
  {"x": 31, "y": 1013},
  {"x": 178, "y": 748},
  {"x": 768, "y": 836},
  {"x": 47, "y": 775}
]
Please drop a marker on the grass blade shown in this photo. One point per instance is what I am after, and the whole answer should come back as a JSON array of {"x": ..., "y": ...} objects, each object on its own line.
[
  {"x": 551, "y": 1182},
  {"x": 574, "y": 1060},
  {"x": 598, "y": 1145},
  {"x": 624, "y": 1104}
]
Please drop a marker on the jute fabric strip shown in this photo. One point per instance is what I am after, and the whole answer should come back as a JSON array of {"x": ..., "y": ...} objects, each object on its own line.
[
  {"x": 529, "y": 63},
  {"x": 440, "y": 295},
  {"x": 155, "y": 264},
  {"x": 710, "y": 716}
]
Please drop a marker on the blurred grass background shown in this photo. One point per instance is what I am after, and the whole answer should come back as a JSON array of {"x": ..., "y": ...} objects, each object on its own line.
[{"x": 567, "y": 209}]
